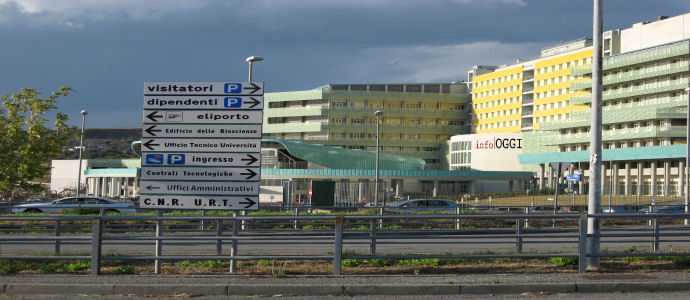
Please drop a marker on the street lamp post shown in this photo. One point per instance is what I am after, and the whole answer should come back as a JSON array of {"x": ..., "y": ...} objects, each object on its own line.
[
  {"x": 251, "y": 60},
  {"x": 81, "y": 149},
  {"x": 594, "y": 197},
  {"x": 687, "y": 157},
  {"x": 378, "y": 115}
]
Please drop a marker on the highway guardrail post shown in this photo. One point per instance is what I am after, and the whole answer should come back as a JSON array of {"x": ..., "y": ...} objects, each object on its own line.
[
  {"x": 338, "y": 245},
  {"x": 518, "y": 236},
  {"x": 381, "y": 218},
  {"x": 526, "y": 219},
  {"x": 655, "y": 229},
  {"x": 96, "y": 235},
  {"x": 457, "y": 220},
  {"x": 372, "y": 237},
  {"x": 158, "y": 244},
  {"x": 233, "y": 249},
  {"x": 219, "y": 232},
  {"x": 295, "y": 222},
  {"x": 582, "y": 244},
  {"x": 57, "y": 235},
  {"x": 202, "y": 224}
]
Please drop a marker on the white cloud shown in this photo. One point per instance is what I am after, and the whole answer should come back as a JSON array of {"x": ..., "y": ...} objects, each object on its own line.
[{"x": 436, "y": 63}]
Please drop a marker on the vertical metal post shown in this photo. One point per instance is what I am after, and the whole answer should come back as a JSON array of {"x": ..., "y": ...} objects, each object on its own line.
[
  {"x": 582, "y": 244},
  {"x": 612, "y": 169},
  {"x": 457, "y": 220},
  {"x": 655, "y": 243},
  {"x": 233, "y": 249},
  {"x": 81, "y": 149},
  {"x": 338, "y": 245},
  {"x": 158, "y": 244},
  {"x": 96, "y": 235},
  {"x": 687, "y": 155},
  {"x": 219, "y": 233},
  {"x": 380, "y": 218},
  {"x": 243, "y": 222},
  {"x": 594, "y": 197},
  {"x": 518, "y": 236},
  {"x": 377, "y": 114},
  {"x": 372, "y": 238},
  {"x": 57, "y": 235},
  {"x": 526, "y": 219},
  {"x": 203, "y": 221},
  {"x": 295, "y": 222}
]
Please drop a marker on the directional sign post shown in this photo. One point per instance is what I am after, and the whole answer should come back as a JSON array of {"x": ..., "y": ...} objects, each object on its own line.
[{"x": 201, "y": 146}]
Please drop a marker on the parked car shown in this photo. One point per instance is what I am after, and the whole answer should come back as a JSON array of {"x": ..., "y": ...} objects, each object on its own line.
[
  {"x": 665, "y": 209},
  {"x": 81, "y": 203},
  {"x": 414, "y": 205}
]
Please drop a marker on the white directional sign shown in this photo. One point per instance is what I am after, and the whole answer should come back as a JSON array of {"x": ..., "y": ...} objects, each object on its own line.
[
  {"x": 205, "y": 174},
  {"x": 203, "y": 116},
  {"x": 199, "y": 202},
  {"x": 201, "y": 146},
  {"x": 201, "y": 159},
  {"x": 201, "y": 131},
  {"x": 203, "y": 88},
  {"x": 200, "y": 188},
  {"x": 204, "y": 102}
]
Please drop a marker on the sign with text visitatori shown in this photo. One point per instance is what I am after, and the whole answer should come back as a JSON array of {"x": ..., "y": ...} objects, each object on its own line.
[{"x": 201, "y": 146}]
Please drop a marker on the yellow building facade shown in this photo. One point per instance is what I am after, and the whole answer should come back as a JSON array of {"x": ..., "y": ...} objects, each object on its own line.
[{"x": 524, "y": 96}]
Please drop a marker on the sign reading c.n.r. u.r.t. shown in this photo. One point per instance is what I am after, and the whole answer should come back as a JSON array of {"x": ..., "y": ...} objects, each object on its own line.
[{"x": 203, "y": 88}]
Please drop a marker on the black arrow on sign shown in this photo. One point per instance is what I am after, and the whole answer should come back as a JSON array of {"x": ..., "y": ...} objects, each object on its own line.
[
  {"x": 150, "y": 187},
  {"x": 149, "y": 144},
  {"x": 254, "y": 88},
  {"x": 153, "y": 116},
  {"x": 254, "y": 102},
  {"x": 251, "y": 159},
  {"x": 249, "y": 203},
  {"x": 249, "y": 175},
  {"x": 152, "y": 129}
]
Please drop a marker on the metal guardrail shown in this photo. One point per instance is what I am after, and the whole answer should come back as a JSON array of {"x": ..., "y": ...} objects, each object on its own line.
[{"x": 234, "y": 231}]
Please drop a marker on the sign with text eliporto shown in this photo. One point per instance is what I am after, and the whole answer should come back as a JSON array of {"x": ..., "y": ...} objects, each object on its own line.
[{"x": 201, "y": 146}]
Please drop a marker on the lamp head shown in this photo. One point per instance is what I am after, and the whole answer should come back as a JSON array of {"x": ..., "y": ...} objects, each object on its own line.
[
  {"x": 83, "y": 112},
  {"x": 253, "y": 59}
]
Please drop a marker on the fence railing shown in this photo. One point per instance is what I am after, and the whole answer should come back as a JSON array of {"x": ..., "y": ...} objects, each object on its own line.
[{"x": 481, "y": 232}]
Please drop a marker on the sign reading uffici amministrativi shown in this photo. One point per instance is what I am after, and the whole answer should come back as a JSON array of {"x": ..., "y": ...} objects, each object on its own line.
[{"x": 201, "y": 146}]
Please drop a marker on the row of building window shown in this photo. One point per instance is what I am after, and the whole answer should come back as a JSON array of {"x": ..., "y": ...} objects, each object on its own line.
[{"x": 542, "y": 70}]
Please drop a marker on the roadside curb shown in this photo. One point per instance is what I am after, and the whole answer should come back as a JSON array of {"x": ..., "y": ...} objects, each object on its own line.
[{"x": 337, "y": 289}]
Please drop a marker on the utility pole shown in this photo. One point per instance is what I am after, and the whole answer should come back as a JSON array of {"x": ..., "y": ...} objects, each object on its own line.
[
  {"x": 81, "y": 149},
  {"x": 594, "y": 196}
]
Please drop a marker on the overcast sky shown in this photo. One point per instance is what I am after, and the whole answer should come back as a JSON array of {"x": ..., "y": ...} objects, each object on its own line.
[{"x": 107, "y": 49}]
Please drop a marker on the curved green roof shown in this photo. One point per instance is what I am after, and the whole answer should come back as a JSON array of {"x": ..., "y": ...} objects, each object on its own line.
[{"x": 340, "y": 158}]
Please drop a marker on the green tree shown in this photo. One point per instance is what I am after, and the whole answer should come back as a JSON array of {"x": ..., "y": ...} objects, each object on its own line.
[{"x": 26, "y": 144}]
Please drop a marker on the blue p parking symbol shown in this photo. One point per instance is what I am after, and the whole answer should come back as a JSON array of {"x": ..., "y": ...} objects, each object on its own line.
[
  {"x": 176, "y": 159},
  {"x": 233, "y": 102},
  {"x": 233, "y": 88}
]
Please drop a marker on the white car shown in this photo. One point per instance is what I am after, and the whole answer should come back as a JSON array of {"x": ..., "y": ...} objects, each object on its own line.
[{"x": 81, "y": 203}]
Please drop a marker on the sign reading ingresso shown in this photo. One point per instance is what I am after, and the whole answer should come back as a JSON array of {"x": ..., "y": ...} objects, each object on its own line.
[{"x": 201, "y": 146}]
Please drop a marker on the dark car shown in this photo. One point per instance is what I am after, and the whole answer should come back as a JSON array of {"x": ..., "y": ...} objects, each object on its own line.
[
  {"x": 414, "y": 205},
  {"x": 80, "y": 203}
]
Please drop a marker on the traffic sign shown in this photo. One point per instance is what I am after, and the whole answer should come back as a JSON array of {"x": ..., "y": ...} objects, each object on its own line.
[
  {"x": 205, "y": 174},
  {"x": 203, "y": 88},
  {"x": 201, "y": 159},
  {"x": 204, "y": 102},
  {"x": 201, "y": 188},
  {"x": 203, "y": 116},
  {"x": 201, "y": 145},
  {"x": 199, "y": 202},
  {"x": 201, "y": 131}
]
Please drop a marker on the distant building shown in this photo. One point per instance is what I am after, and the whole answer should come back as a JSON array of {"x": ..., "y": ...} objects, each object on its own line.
[{"x": 417, "y": 119}]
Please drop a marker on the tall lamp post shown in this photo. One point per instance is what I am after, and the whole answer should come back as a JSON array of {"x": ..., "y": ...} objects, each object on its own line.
[
  {"x": 251, "y": 60},
  {"x": 594, "y": 196},
  {"x": 378, "y": 115},
  {"x": 687, "y": 157},
  {"x": 81, "y": 149}
]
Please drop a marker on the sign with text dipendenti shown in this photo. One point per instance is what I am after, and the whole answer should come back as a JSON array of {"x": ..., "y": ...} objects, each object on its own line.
[{"x": 201, "y": 146}]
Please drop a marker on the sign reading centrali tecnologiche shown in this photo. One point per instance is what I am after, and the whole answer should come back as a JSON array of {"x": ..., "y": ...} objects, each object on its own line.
[
  {"x": 199, "y": 202},
  {"x": 201, "y": 145},
  {"x": 196, "y": 173}
]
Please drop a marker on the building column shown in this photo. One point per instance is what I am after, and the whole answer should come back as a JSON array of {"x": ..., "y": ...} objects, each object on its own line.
[
  {"x": 104, "y": 187},
  {"x": 627, "y": 179},
  {"x": 125, "y": 187},
  {"x": 604, "y": 190},
  {"x": 640, "y": 178},
  {"x": 667, "y": 177},
  {"x": 435, "y": 191},
  {"x": 614, "y": 178},
  {"x": 653, "y": 184},
  {"x": 541, "y": 177},
  {"x": 681, "y": 178}
]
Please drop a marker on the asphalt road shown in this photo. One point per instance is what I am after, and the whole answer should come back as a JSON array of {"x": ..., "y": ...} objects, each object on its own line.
[{"x": 593, "y": 296}]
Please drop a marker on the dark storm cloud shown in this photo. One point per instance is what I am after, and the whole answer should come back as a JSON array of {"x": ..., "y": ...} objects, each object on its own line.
[{"x": 106, "y": 49}]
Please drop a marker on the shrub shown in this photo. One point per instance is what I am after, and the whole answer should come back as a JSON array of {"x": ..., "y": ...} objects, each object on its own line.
[
  {"x": 77, "y": 266},
  {"x": 125, "y": 269},
  {"x": 681, "y": 261},
  {"x": 563, "y": 261},
  {"x": 432, "y": 262},
  {"x": 8, "y": 267}
]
